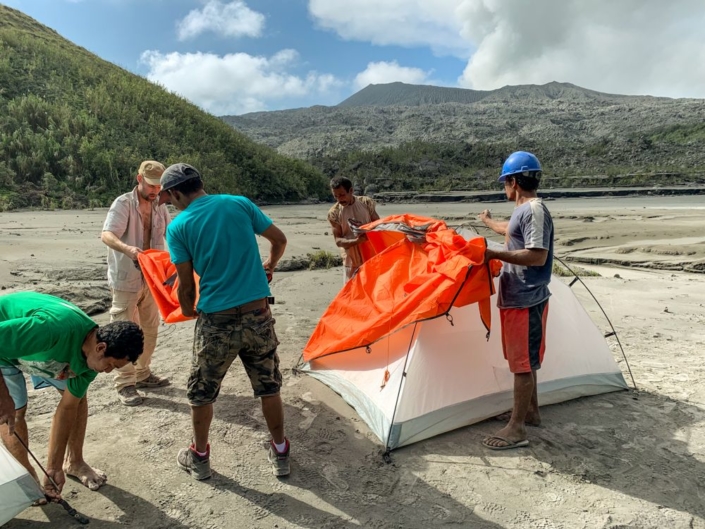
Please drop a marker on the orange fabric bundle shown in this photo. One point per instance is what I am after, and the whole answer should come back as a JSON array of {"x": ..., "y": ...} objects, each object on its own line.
[{"x": 160, "y": 274}]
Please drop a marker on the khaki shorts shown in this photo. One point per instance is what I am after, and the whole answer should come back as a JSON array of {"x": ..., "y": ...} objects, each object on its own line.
[{"x": 219, "y": 339}]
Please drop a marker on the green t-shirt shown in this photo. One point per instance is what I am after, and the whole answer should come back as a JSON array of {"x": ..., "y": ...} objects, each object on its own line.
[{"x": 42, "y": 335}]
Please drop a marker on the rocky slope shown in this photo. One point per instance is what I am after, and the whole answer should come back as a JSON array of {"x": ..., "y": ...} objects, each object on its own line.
[{"x": 578, "y": 130}]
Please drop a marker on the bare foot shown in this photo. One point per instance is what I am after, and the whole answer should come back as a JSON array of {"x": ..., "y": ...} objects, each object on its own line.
[
  {"x": 83, "y": 472},
  {"x": 506, "y": 438},
  {"x": 532, "y": 419}
]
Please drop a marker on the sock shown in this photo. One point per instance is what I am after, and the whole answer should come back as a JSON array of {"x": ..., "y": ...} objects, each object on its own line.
[
  {"x": 199, "y": 454},
  {"x": 281, "y": 448}
]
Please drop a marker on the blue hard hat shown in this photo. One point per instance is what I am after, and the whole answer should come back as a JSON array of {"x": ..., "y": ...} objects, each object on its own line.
[{"x": 521, "y": 162}]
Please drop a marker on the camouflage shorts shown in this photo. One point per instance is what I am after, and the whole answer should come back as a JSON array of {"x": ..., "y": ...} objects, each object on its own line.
[{"x": 219, "y": 339}]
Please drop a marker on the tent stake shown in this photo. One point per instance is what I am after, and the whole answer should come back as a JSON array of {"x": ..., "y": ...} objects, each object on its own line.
[
  {"x": 387, "y": 456},
  {"x": 72, "y": 512}
]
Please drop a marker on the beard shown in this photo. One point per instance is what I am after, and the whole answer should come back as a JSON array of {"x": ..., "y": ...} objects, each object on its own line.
[{"x": 147, "y": 196}]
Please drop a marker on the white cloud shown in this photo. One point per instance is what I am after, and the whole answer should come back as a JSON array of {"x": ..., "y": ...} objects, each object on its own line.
[
  {"x": 394, "y": 22},
  {"x": 622, "y": 46},
  {"x": 228, "y": 20},
  {"x": 389, "y": 72},
  {"x": 235, "y": 83},
  {"x": 630, "y": 46}
]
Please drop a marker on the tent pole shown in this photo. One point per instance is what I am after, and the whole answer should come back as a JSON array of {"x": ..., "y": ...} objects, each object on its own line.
[
  {"x": 614, "y": 332},
  {"x": 386, "y": 456}
]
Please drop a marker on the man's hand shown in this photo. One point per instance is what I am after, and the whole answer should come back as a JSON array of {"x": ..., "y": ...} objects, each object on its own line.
[
  {"x": 490, "y": 254},
  {"x": 268, "y": 271},
  {"x": 132, "y": 252},
  {"x": 7, "y": 412},
  {"x": 59, "y": 478},
  {"x": 484, "y": 216}
]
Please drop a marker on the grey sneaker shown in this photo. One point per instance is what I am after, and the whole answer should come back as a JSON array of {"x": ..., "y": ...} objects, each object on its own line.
[
  {"x": 153, "y": 381},
  {"x": 129, "y": 396},
  {"x": 280, "y": 462},
  {"x": 199, "y": 467}
]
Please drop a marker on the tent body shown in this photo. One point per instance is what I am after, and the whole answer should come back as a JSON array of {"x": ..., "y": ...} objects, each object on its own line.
[
  {"x": 443, "y": 376},
  {"x": 406, "y": 343},
  {"x": 17, "y": 487}
]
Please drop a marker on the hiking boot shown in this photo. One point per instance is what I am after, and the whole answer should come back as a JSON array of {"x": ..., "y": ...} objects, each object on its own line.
[
  {"x": 153, "y": 381},
  {"x": 129, "y": 396},
  {"x": 198, "y": 466},
  {"x": 279, "y": 461}
]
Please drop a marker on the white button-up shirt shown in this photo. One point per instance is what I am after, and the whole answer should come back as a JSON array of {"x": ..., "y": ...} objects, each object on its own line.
[{"x": 125, "y": 221}]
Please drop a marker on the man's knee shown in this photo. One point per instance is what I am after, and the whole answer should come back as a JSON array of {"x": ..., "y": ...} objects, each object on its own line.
[{"x": 20, "y": 414}]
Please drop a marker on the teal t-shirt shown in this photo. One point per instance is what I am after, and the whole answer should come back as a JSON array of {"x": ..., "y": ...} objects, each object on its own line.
[
  {"x": 217, "y": 234},
  {"x": 42, "y": 335}
]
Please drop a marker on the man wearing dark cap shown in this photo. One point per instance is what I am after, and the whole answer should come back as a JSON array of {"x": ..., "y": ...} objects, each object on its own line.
[
  {"x": 214, "y": 236},
  {"x": 136, "y": 222}
]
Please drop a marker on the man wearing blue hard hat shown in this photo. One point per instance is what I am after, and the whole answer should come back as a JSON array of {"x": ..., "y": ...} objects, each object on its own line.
[{"x": 523, "y": 291}]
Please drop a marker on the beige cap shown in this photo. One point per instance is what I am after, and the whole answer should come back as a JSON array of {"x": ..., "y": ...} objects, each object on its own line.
[{"x": 151, "y": 171}]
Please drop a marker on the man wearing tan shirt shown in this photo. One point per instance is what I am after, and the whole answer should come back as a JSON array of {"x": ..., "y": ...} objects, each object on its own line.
[
  {"x": 136, "y": 222},
  {"x": 349, "y": 208}
]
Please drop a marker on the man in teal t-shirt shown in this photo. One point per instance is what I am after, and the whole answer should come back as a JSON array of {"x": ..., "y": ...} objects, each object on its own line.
[
  {"x": 215, "y": 237},
  {"x": 58, "y": 345}
]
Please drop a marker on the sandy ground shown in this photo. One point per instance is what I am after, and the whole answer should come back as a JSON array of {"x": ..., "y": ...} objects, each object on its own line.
[{"x": 623, "y": 460}]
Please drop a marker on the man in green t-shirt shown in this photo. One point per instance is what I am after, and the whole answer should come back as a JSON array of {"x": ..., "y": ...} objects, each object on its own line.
[{"x": 58, "y": 345}]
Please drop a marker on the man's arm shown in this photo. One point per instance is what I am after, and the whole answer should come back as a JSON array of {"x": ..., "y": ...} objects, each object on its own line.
[
  {"x": 497, "y": 226},
  {"x": 187, "y": 288},
  {"x": 373, "y": 214},
  {"x": 277, "y": 239},
  {"x": 114, "y": 227},
  {"x": 342, "y": 242},
  {"x": 526, "y": 257},
  {"x": 111, "y": 240},
  {"x": 61, "y": 427}
]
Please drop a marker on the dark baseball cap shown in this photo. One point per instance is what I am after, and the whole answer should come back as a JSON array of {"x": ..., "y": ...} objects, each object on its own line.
[{"x": 174, "y": 175}]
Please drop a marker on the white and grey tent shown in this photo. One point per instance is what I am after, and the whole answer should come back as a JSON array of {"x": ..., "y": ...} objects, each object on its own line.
[
  {"x": 439, "y": 374},
  {"x": 444, "y": 376},
  {"x": 17, "y": 487}
]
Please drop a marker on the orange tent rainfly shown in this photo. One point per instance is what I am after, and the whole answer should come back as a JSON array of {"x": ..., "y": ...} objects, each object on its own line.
[
  {"x": 418, "y": 269},
  {"x": 160, "y": 274}
]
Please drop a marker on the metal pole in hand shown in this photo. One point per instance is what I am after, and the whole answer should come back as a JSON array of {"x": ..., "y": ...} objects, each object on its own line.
[{"x": 72, "y": 512}]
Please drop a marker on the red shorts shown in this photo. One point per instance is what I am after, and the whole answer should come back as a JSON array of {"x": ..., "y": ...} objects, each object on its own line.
[{"x": 524, "y": 337}]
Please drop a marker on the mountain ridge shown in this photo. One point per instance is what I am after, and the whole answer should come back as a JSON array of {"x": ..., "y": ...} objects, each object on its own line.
[
  {"x": 449, "y": 145},
  {"x": 403, "y": 94}
]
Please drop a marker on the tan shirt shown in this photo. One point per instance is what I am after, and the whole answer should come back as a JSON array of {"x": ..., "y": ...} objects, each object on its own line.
[
  {"x": 125, "y": 221},
  {"x": 362, "y": 211}
]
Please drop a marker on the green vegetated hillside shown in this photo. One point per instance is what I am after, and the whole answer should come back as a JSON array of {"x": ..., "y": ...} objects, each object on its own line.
[
  {"x": 399, "y": 137},
  {"x": 437, "y": 166},
  {"x": 74, "y": 129}
]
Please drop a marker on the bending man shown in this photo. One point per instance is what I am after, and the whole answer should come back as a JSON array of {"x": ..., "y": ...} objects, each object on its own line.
[{"x": 60, "y": 346}]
